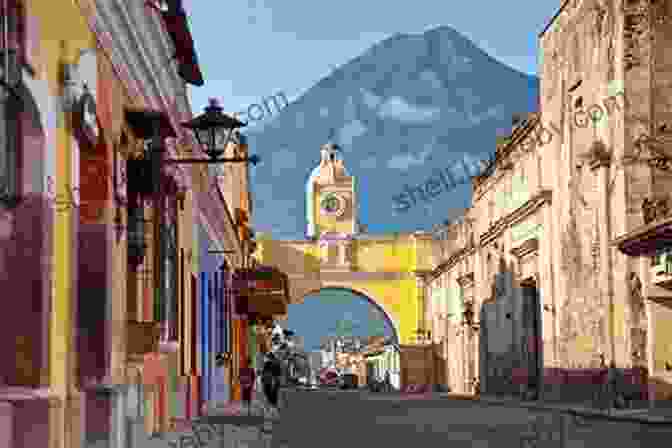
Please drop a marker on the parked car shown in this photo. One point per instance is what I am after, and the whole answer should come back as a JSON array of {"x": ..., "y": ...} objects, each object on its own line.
[
  {"x": 350, "y": 381},
  {"x": 376, "y": 386},
  {"x": 329, "y": 378}
]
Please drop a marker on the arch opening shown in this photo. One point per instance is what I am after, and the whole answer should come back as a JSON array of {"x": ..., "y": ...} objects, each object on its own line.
[{"x": 388, "y": 319}]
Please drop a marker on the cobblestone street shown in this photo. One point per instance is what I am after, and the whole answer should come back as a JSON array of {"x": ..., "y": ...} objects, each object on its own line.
[
  {"x": 354, "y": 418},
  {"x": 330, "y": 419}
]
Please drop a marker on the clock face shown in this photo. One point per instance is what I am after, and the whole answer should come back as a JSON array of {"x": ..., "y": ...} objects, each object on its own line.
[{"x": 332, "y": 204}]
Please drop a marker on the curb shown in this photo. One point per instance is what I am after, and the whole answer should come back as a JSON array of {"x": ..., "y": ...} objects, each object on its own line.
[{"x": 604, "y": 415}]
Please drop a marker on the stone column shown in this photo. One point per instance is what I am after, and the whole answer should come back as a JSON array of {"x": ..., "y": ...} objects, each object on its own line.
[
  {"x": 7, "y": 417},
  {"x": 546, "y": 285},
  {"x": 478, "y": 298},
  {"x": 56, "y": 421},
  {"x": 421, "y": 285},
  {"x": 601, "y": 161},
  {"x": 464, "y": 371},
  {"x": 75, "y": 429},
  {"x": 118, "y": 417},
  {"x": 476, "y": 343},
  {"x": 645, "y": 275}
]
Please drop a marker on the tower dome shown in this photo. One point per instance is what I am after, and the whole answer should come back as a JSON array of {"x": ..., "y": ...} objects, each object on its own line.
[{"x": 330, "y": 172}]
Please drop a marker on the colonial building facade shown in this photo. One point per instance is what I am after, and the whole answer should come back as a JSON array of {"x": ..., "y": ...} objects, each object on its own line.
[
  {"x": 111, "y": 341},
  {"x": 552, "y": 300}
]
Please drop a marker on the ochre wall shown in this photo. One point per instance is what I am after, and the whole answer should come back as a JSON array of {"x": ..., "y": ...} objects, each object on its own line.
[
  {"x": 383, "y": 272},
  {"x": 386, "y": 256},
  {"x": 71, "y": 28}
]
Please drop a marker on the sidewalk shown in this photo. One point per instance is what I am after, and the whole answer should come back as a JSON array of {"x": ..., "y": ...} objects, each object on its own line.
[
  {"x": 231, "y": 428},
  {"x": 240, "y": 428},
  {"x": 661, "y": 415}
]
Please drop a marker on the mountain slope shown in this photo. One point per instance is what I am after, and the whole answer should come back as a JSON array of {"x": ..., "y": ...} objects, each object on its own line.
[{"x": 409, "y": 105}]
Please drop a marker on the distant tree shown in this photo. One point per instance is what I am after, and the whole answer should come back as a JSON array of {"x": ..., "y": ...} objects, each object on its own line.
[{"x": 376, "y": 323}]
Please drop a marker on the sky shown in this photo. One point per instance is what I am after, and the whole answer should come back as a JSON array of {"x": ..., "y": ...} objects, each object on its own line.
[
  {"x": 319, "y": 314},
  {"x": 250, "y": 50},
  {"x": 253, "y": 49}
]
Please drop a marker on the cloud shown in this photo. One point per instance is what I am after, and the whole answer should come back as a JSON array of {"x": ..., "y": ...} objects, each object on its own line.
[
  {"x": 405, "y": 161},
  {"x": 351, "y": 130},
  {"x": 397, "y": 108}
]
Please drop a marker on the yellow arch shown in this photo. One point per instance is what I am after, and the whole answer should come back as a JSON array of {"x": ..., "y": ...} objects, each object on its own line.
[{"x": 386, "y": 269}]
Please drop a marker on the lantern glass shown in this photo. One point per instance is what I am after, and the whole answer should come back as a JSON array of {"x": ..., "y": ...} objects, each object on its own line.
[
  {"x": 213, "y": 129},
  {"x": 218, "y": 139}
]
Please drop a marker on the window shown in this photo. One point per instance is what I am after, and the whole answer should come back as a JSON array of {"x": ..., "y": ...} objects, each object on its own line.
[
  {"x": 11, "y": 32},
  {"x": 9, "y": 146},
  {"x": 165, "y": 305},
  {"x": 171, "y": 270}
]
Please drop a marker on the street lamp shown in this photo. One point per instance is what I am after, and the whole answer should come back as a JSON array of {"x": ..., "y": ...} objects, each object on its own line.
[{"x": 212, "y": 130}]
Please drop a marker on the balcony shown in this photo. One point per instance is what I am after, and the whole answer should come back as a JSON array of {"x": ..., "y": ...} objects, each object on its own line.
[
  {"x": 655, "y": 235},
  {"x": 655, "y": 208},
  {"x": 264, "y": 289},
  {"x": 142, "y": 337}
]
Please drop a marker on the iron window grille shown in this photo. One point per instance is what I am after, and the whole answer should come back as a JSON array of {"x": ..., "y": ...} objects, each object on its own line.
[
  {"x": 11, "y": 42},
  {"x": 168, "y": 304},
  {"x": 136, "y": 233},
  {"x": 10, "y": 131}
]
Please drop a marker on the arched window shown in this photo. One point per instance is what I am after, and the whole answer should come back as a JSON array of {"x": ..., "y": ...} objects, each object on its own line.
[
  {"x": 12, "y": 30},
  {"x": 10, "y": 143},
  {"x": 12, "y": 44}
]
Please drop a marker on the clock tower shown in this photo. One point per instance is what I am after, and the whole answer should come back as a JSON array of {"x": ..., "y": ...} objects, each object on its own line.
[{"x": 330, "y": 196}]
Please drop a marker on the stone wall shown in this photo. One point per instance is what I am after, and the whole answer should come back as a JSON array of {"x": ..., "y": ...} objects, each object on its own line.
[
  {"x": 605, "y": 75},
  {"x": 605, "y": 78}
]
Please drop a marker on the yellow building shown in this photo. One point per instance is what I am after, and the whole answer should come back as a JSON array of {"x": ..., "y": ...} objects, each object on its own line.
[
  {"x": 650, "y": 243},
  {"x": 387, "y": 270},
  {"x": 39, "y": 394}
]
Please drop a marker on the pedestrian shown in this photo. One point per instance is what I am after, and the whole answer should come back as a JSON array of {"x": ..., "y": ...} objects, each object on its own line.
[
  {"x": 270, "y": 378},
  {"x": 247, "y": 377},
  {"x": 388, "y": 381}
]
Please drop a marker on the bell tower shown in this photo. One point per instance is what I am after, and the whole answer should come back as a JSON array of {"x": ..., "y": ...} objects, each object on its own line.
[{"x": 331, "y": 203}]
